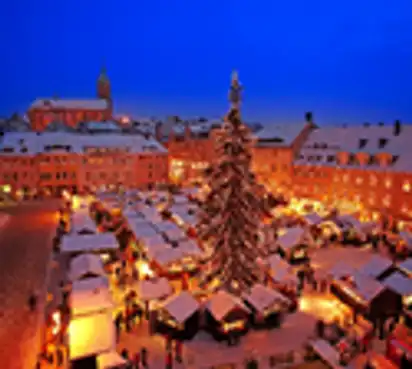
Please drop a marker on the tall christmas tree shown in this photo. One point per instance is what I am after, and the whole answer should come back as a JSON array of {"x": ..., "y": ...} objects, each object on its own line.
[{"x": 232, "y": 210}]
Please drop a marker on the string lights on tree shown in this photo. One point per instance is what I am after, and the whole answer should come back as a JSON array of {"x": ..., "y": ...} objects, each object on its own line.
[{"x": 232, "y": 209}]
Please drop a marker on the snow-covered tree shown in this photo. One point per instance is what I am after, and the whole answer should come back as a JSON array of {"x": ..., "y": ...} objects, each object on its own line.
[{"x": 232, "y": 210}]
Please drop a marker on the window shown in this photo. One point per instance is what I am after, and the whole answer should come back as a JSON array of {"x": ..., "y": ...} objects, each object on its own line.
[
  {"x": 406, "y": 187},
  {"x": 388, "y": 183},
  {"x": 404, "y": 209},
  {"x": 373, "y": 180},
  {"x": 387, "y": 201},
  {"x": 359, "y": 180},
  {"x": 330, "y": 158},
  {"x": 345, "y": 178},
  {"x": 382, "y": 142},
  {"x": 371, "y": 201},
  {"x": 362, "y": 143}
]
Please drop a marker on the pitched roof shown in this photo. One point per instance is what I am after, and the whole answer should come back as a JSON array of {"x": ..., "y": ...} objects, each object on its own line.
[
  {"x": 278, "y": 134},
  {"x": 68, "y": 104}
]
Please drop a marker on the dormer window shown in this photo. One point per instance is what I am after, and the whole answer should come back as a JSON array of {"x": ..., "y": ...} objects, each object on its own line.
[
  {"x": 323, "y": 145},
  {"x": 330, "y": 158},
  {"x": 382, "y": 142},
  {"x": 395, "y": 158},
  {"x": 362, "y": 143},
  {"x": 315, "y": 146},
  {"x": 352, "y": 159}
]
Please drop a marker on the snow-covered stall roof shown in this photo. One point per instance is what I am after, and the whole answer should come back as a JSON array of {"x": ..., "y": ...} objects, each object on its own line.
[
  {"x": 142, "y": 230},
  {"x": 166, "y": 226},
  {"x": 167, "y": 255},
  {"x": 406, "y": 266},
  {"x": 262, "y": 297},
  {"x": 91, "y": 335},
  {"x": 86, "y": 264},
  {"x": 407, "y": 238},
  {"x": 90, "y": 284},
  {"x": 181, "y": 306},
  {"x": 154, "y": 243},
  {"x": 350, "y": 221},
  {"x": 399, "y": 283},
  {"x": 110, "y": 360},
  {"x": 154, "y": 289},
  {"x": 189, "y": 247},
  {"x": 366, "y": 288},
  {"x": 313, "y": 218},
  {"x": 131, "y": 211},
  {"x": 222, "y": 303},
  {"x": 280, "y": 270},
  {"x": 175, "y": 235},
  {"x": 85, "y": 301},
  {"x": 150, "y": 214},
  {"x": 81, "y": 222},
  {"x": 291, "y": 237},
  {"x": 99, "y": 243},
  {"x": 180, "y": 199},
  {"x": 376, "y": 266},
  {"x": 326, "y": 351}
]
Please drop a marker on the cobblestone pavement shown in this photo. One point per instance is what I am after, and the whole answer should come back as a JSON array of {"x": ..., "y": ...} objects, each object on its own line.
[{"x": 25, "y": 246}]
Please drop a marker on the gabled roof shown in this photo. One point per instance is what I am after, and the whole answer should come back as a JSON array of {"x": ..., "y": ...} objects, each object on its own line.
[{"x": 278, "y": 134}]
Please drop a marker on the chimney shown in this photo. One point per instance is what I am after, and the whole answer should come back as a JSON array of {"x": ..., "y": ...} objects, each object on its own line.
[
  {"x": 309, "y": 117},
  {"x": 397, "y": 128},
  {"x": 158, "y": 131}
]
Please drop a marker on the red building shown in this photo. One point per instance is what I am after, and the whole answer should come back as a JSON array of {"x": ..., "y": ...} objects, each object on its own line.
[{"x": 72, "y": 111}]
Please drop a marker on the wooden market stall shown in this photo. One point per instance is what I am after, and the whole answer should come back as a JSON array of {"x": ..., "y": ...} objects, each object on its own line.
[
  {"x": 403, "y": 285},
  {"x": 293, "y": 244},
  {"x": 367, "y": 297},
  {"x": 99, "y": 243},
  {"x": 226, "y": 315},
  {"x": 178, "y": 317},
  {"x": 266, "y": 305},
  {"x": 378, "y": 267},
  {"x": 399, "y": 346},
  {"x": 86, "y": 266}
]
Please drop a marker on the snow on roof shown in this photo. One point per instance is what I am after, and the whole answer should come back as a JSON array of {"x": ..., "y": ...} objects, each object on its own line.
[
  {"x": 154, "y": 289},
  {"x": 282, "y": 135},
  {"x": 276, "y": 262},
  {"x": 110, "y": 360},
  {"x": 326, "y": 142},
  {"x": 175, "y": 235},
  {"x": 181, "y": 306},
  {"x": 81, "y": 104},
  {"x": 376, "y": 266},
  {"x": 106, "y": 126},
  {"x": 32, "y": 143},
  {"x": 154, "y": 244},
  {"x": 151, "y": 214},
  {"x": 90, "y": 284},
  {"x": 189, "y": 247},
  {"x": 222, "y": 303},
  {"x": 291, "y": 237},
  {"x": 313, "y": 218},
  {"x": 363, "y": 286},
  {"x": 99, "y": 242},
  {"x": 406, "y": 266},
  {"x": 142, "y": 230},
  {"x": 167, "y": 255},
  {"x": 406, "y": 237},
  {"x": 86, "y": 264},
  {"x": 180, "y": 199},
  {"x": 166, "y": 226},
  {"x": 326, "y": 351},
  {"x": 81, "y": 221},
  {"x": 262, "y": 297},
  {"x": 399, "y": 283},
  {"x": 85, "y": 301}
]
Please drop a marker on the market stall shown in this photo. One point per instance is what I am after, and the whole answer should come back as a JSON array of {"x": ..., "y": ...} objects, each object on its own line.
[
  {"x": 266, "y": 305},
  {"x": 86, "y": 266},
  {"x": 91, "y": 330},
  {"x": 111, "y": 360},
  {"x": 97, "y": 244},
  {"x": 330, "y": 231},
  {"x": 406, "y": 267},
  {"x": 293, "y": 244},
  {"x": 399, "y": 346},
  {"x": 226, "y": 315},
  {"x": 178, "y": 316},
  {"x": 367, "y": 297},
  {"x": 401, "y": 284},
  {"x": 81, "y": 223},
  {"x": 378, "y": 267},
  {"x": 281, "y": 272}
]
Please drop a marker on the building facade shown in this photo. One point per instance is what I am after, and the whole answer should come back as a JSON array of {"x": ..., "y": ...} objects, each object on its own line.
[
  {"x": 53, "y": 161},
  {"x": 365, "y": 169},
  {"x": 45, "y": 111}
]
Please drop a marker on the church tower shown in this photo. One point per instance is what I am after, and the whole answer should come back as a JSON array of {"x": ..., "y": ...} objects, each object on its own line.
[{"x": 103, "y": 86}]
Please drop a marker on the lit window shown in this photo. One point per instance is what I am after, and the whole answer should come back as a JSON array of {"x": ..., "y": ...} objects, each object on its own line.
[
  {"x": 345, "y": 178},
  {"x": 373, "y": 180},
  {"x": 387, "y": 201},
  {"x": 359, "y": 180},
  {"x": 404, "y": 209},
  {"x": 388, "y": 183},
  {"x": 357, "y": 198},
  {"x": 371, "y": 201},
  {"x": 406, "y": 187}
]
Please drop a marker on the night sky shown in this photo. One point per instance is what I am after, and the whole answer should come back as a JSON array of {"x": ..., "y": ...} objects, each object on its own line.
[{"x": 347, "y": 61}]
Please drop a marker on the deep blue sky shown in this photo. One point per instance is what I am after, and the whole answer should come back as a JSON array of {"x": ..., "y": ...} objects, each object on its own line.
[{"x": 348, "y": 61}]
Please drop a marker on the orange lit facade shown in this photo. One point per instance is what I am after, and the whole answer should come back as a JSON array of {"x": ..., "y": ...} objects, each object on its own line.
[
  {"x": 51, "y": 162},
  {"x": 366, "y": 170},
  {"x": 71, "y": 112}
]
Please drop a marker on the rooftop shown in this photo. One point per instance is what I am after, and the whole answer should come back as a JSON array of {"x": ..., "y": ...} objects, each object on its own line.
[{"x": 80, "y": 104}]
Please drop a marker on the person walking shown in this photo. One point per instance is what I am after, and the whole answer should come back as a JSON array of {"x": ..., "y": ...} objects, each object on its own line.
[
  {"x": 169, "y": 360},
  {"x": 144, "y": 357},
  {"x": 32, "y": 301},
  {"x": 136, "y": 360},
  {"x": 178, "y": 351}
]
